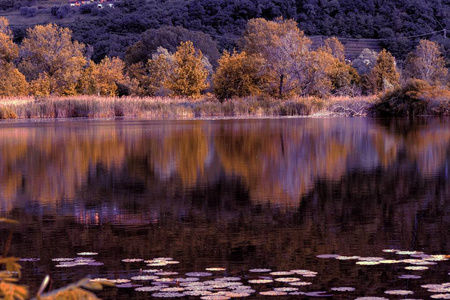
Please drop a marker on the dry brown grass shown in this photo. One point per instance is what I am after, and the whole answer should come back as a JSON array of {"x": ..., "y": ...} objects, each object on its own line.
[{"x": 178, "y": 108}]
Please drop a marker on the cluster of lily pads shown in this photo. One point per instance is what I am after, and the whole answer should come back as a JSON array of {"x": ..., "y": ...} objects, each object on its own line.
[
  {"x": 415, "y": 261},
  {"x": 212, "y": 283},
  {"x": 215, "y": 283},
  {"x": 83, "y": 259}
]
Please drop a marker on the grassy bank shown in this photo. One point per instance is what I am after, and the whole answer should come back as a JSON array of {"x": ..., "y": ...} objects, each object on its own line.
[{"x": 178, "y": 108}]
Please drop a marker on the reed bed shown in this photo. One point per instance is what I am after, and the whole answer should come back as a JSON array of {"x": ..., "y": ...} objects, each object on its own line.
[{"x": 178, "y": 108}]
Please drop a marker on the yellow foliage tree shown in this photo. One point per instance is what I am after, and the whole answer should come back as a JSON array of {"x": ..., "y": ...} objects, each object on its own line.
[
  {"x": 284, "y": 49},
  {"x": 8, "y": 50},
  {"x": 335, "y": 48},
  {"x": 102, "y": 79},
  {"x": 315, "y": 77},
  {"x": 12, "y": 82},
  {"x": 153, "y": 76},
  {"x": 343, "y": 77},
  {"x": 238, "y": 74},
  {"x": 384, "y": 74},
  {"x": 51, "y": 60},
  {"x": 189, "y": 74}
]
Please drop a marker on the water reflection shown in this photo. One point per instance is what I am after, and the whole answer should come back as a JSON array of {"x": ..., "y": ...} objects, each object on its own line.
[
  {"x": 242, "y": 193},
  {"x": 277, "y": 161}
]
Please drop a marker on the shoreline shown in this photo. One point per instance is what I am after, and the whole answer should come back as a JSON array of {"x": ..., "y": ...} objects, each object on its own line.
[{"x": 159, "y": 108}]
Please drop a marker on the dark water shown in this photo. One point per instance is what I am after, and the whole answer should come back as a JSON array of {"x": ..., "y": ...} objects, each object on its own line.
[{"x": 237, "y": 194}]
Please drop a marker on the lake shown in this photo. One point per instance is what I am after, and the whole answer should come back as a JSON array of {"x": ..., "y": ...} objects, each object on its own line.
[{"x": 241, "y": 195}]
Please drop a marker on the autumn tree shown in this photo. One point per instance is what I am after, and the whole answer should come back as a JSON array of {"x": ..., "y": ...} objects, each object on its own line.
[
  {"x": 238, "y": 75},
  {"x": 12, "y": 82},
  {"x": 189, "y": 74},
  {"x": 314, "y": 76},
  {"x": 8, "y": 50},
  {"x": 426, "y": 63},
  {"x": 153, "y": 76},
  {"x": 343, "y": 77},
  {"x": 384, "y": 74},
  {"x": 282, "y": 46},
  {"x": 51, "y": 60},
  {"x": 103, "y": 78},
  {"x": 335, "y": 48}
]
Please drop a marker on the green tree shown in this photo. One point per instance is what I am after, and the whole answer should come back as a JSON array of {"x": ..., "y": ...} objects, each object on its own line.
[
  {"x": 282, "y": 46},
  {"x": 384, "y": 74},
  {"x": 238, "y": 74},
  {"x": 189, "y": 74},
  {"x": 426, "y": 63},
  {"x": 51, "y": 60}
]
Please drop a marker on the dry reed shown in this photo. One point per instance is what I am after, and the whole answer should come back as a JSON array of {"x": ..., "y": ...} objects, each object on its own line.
[{"x": 177, "y": 108}]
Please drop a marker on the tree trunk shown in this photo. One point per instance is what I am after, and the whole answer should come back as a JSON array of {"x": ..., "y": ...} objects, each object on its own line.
[{"x": 281, "y": 86}]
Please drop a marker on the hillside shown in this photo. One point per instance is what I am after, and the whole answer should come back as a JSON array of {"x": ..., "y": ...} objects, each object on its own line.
[{"x": 394, "y": 25}]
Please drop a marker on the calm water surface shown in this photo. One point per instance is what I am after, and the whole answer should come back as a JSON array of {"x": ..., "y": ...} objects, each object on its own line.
[{"x": 237, "y": 194}]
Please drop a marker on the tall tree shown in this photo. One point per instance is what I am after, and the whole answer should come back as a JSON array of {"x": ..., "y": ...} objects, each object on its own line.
[
  {"x": 281, "y": 44},
  {"x": 189, "y": 75},
  {"x": 384, "y": 74},
  {"x": 51, "y": 60},
  {"x": 12, "y": 82},
  {"x": 427, "y": 63},
  {"x": 8, "y": 50}
]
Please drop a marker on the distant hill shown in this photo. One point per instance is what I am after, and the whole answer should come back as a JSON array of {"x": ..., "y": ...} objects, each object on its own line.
[{"x": 375, "y": 24}]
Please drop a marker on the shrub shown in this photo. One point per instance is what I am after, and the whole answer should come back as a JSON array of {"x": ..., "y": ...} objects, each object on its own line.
[
  {"x": 24, "y": 10},
  {"x": 86, "y": 8},
  {"x": 32, "y": 11},
  {"x": 415, "y": 97},
  {"x": 62, "y": 11},
  {"x": 54, "y": 9}
]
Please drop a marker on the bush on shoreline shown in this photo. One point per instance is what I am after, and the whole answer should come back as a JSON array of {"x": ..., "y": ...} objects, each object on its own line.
[{"x": 415, "y": 97}]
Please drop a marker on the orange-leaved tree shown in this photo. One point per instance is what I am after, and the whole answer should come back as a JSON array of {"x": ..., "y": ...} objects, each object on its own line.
[
  {"x": 103, "y": 78},
  {"x": 51, "y": 60},
  {"x": 189, "y": 74},
  {"x": 282, "y": 46},
  {"x": 152, "y": 77},
  {"x": 238, "y": 75},
  {"x": 12, "y": 82},
  {"x": 384, "y": 74}
]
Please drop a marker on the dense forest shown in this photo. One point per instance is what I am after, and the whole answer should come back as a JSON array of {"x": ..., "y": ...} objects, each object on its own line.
[{"x": 399, "y": 24}]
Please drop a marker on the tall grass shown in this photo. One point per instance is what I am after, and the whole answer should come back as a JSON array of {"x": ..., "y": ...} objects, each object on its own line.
[{"x": 177, "y": 108}]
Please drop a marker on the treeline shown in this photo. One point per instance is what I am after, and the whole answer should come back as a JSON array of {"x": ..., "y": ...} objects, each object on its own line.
[
  {"x": 275, "y": 60},
  {"x": 396, "y": 23}
]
